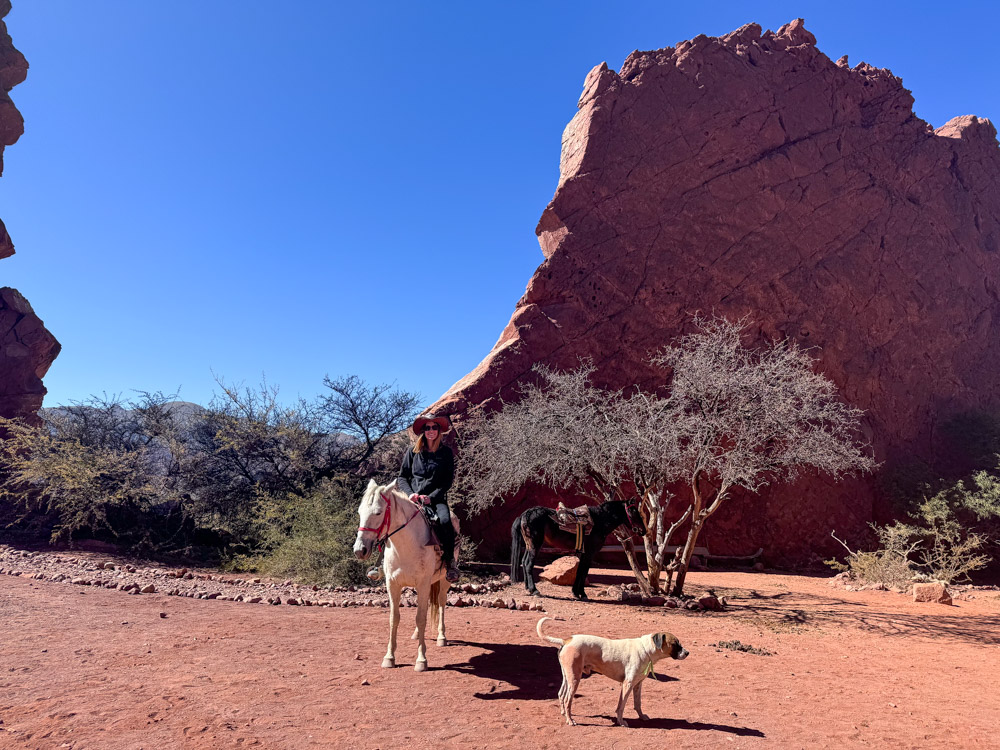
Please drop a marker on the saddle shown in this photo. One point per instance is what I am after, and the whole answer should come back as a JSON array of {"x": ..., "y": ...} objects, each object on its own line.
[{"x": 576, "y": 521}]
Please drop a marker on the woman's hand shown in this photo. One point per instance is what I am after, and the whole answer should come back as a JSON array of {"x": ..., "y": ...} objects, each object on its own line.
[{"x": 415, "y": 498}]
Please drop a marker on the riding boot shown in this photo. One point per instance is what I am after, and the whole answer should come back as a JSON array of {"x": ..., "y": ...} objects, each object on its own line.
[{"x": 446, "y": 535}]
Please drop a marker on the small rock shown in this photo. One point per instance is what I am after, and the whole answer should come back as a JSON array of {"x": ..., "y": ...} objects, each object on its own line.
[
  {"x": 292, "y": 601},
  {"x": 365, "y": 682},
  {"x": 929, "y": 592},
  {"x": 148, "y": 589},
  {"x": 163, "y": 615},
  {"x": 710, "y": 603},
  {"x": 654, "y": 601}
]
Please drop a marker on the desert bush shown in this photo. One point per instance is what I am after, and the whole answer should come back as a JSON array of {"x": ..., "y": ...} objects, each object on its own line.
[
  {"x": 107, "y": 468},
  {"x": 308, "y": 537},
  {"x": 945, "y": 540},
  {"x": 249, "y": 475},
  {"x": 890, "y": 564},
  {"x": 954, "y": 526}
]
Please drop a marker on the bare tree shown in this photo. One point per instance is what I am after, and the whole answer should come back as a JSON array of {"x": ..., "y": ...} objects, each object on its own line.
[
  {"x": 749, "y": 417},
  {"x": 566, "y": 433}
]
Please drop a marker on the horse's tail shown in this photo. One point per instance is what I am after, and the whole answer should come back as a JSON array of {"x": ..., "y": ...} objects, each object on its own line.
[
  {"x": 435, "y": 608},
  {"x": 517, "y": 551},
  {"x": 549, "y": 638}
]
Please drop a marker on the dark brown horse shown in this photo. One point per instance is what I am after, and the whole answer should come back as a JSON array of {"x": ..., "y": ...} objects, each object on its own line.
[{"x": 537, "y": 527}]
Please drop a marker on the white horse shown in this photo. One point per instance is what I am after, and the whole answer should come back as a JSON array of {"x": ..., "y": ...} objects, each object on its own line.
[{"x": 389, "y": 517}]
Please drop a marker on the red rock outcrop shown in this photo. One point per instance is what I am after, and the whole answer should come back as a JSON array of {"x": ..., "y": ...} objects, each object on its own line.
[
  {"x": 751, "y": 175},
  {"x": 26, "y": 348}
]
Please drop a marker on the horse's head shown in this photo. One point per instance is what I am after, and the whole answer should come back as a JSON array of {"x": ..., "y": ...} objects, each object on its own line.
[
  {"x": 637, "y": 524},
  {"x": 374, "y": 513}
]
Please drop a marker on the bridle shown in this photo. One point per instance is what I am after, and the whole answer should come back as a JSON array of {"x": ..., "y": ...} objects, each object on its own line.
[
  {"x": 386, "y": 524},
  {"x": 635, "y": 528}
]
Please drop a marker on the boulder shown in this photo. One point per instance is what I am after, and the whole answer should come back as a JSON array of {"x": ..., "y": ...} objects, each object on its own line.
[
  {"x": 561, "y": 571},
  {"x": 27, "y": 349},
  {"x": 751, "y": 175},
  {"x": 931, "y": 592}
]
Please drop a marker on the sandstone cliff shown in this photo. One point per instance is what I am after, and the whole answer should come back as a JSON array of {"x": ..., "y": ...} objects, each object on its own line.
[
  {"x": 751, "y": 175},
  {"x": 26, "y": 348}
]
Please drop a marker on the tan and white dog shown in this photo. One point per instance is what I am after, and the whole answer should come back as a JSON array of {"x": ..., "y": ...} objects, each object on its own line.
[{"x": 626, "y": 660}]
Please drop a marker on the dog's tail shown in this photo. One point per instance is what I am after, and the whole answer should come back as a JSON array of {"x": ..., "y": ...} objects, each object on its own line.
[
  {"x": 517, "y": 551},
  {"x": 549, "y": 638}
]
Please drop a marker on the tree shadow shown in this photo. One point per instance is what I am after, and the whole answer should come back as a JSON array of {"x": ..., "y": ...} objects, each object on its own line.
[{"x": 800, "y": 609}]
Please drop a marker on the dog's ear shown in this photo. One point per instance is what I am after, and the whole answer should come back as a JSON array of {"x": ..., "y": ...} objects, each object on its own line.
[{"x": 658, "y": 640}]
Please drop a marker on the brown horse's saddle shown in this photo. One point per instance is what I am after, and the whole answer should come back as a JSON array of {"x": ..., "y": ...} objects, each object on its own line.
[{"x": 574, "y": 520}]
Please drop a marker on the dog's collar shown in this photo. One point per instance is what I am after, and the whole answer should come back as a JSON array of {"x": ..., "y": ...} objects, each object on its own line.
[{"x": 648, "y": 671}]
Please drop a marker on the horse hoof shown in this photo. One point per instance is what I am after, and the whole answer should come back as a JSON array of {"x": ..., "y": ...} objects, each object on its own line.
[
  {"x": 442, "y": 641},
  {"x": 388, "y": 663},
  {"x": 420, "y": 666}
]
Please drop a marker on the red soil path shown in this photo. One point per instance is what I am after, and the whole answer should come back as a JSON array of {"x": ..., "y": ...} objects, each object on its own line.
[{"x": 82, "y": 667}]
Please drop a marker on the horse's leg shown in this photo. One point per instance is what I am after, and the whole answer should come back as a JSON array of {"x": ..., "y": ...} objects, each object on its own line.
[
  {"x": 581, "y": 576},
  {"x": 532, "y": 544},
  {"x": 439, "y": 604},
  {"x": 423, "y": 600},
  {"x": 590, "y": 548},
  {"x": 394, "y": 590}
]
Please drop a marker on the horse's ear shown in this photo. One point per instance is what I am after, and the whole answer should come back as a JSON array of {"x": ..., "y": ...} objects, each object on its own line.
[{"x": 372, "y": 483}]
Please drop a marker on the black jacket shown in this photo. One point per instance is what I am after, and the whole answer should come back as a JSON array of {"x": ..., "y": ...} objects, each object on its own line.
[{"x": 428, "y": 474}]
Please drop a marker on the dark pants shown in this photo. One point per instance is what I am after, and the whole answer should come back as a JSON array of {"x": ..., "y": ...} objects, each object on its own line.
[{"x": 445, "y": 531}]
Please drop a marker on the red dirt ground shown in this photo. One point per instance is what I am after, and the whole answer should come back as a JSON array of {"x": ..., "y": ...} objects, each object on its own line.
[{"x": 94, "y": 668}]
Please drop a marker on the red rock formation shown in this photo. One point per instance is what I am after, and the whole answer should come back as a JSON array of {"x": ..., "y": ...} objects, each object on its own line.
[
  {"x": 26, "y": 348},
  {"x": 751, "y": 175}
]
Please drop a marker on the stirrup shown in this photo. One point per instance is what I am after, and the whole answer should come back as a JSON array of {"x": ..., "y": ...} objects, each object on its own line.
[{"x": 375, "y": 574}]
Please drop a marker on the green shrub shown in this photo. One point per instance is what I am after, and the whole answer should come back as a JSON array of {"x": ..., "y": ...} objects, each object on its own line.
[{"x": 308, "y": 538}]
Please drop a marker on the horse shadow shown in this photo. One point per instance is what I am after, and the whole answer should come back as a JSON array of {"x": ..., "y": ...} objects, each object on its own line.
[{"x": 532, "y": 673}]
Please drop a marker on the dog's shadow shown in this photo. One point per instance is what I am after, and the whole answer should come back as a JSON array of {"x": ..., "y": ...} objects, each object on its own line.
[
  {"x": 530, "y": 672},
  {"x": 684, "y": 724}
]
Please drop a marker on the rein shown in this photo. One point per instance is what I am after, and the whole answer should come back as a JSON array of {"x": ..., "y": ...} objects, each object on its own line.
[{"x": 387, "y": 523}]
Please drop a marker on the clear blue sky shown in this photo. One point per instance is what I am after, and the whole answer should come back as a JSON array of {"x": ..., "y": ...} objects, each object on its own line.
[{"x": 312, "y": 187}]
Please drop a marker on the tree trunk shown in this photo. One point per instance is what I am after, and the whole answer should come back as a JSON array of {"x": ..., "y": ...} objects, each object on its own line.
[
  {"x": 630, "y": 555},
  {"x": 653, "y": 568},
  {"x": 682, "y": 569}
]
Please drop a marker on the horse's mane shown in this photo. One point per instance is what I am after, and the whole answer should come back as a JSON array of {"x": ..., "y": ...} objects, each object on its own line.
[{"x": 374, "y": 487}]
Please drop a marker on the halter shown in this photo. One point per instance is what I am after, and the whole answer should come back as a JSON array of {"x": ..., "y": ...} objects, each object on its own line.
[{"x": 386, "y": 523}]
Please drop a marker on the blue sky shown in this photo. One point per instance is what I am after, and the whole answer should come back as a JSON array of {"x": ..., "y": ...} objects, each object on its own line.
[{"x": 309, "y": 187}]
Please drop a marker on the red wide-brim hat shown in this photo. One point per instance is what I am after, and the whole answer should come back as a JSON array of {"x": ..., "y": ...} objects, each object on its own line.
[{"x": 442, "y": 421}]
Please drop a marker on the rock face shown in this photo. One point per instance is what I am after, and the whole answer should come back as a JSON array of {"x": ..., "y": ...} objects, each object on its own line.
[
  {"x": 26, "y": 348},
  {"x": 750, "y": 175}
]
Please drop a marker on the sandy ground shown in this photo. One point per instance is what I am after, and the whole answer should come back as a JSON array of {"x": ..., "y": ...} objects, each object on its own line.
[{"x": 84, "y": 667}]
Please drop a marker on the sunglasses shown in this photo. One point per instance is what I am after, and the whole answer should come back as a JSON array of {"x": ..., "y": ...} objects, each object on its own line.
[{"x": 431, "y": 428}]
